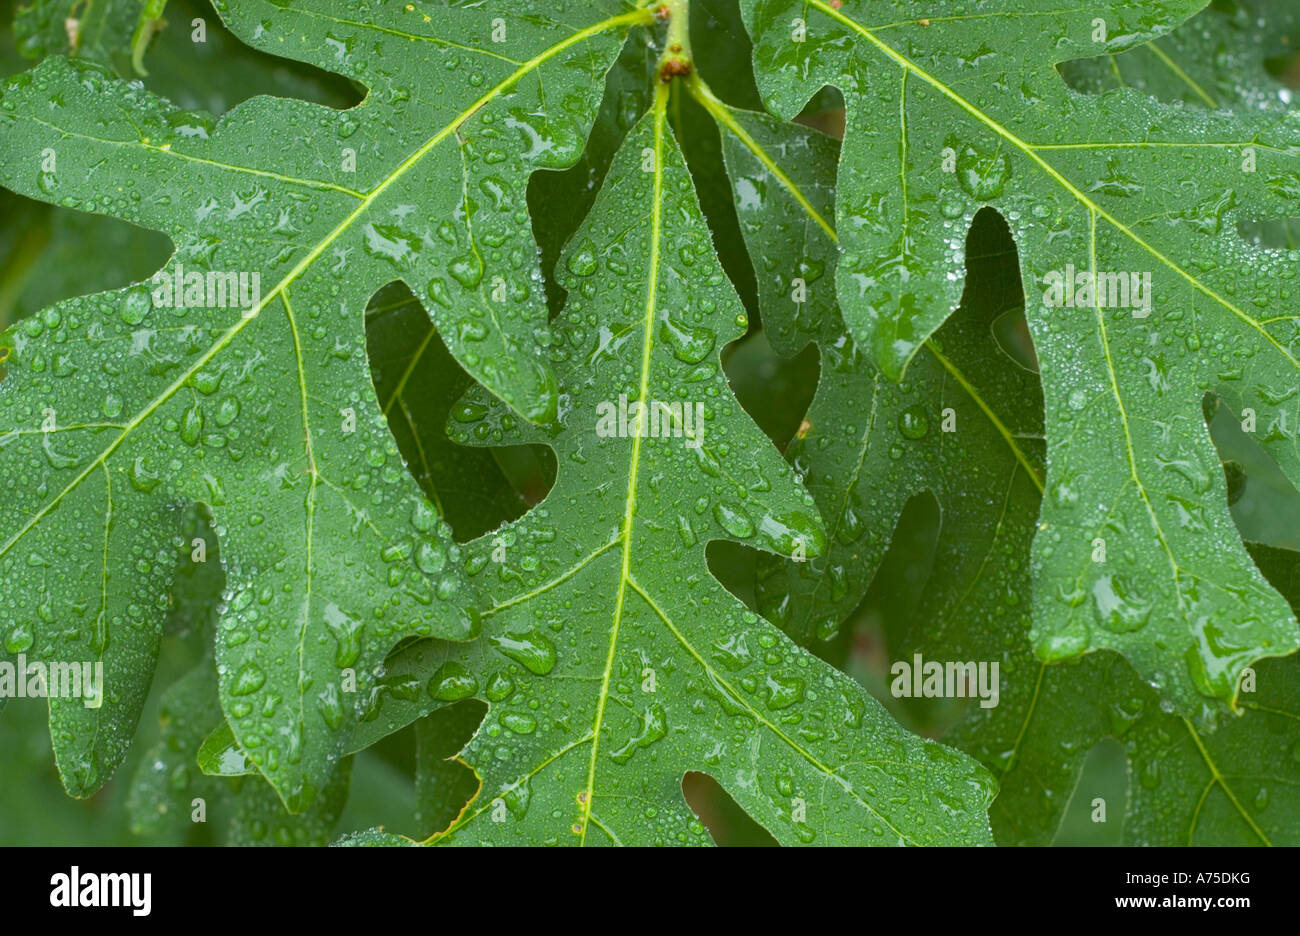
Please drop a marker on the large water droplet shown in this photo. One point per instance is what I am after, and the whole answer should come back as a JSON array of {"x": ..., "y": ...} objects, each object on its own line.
[{"x": 533, "y": 650}]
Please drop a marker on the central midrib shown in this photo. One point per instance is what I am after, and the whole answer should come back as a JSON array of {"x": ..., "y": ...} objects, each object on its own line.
[{"x": 629, "y": 512}]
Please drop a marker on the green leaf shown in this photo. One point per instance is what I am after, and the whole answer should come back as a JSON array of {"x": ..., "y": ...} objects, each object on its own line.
[
  {"x": 388, "y": 516},
  {"x": 1232, "y": 786},
  {"x": 1222, "y": 57},
  {"x": 1229, "y": 55},
  {"x": 245, "y": 810},
  {"x": 164, "y": 785},
  {"x": 963, "y": 426},
  {"x": 50, "y": 252},
  {"x": 114, "y": 406},
  {"x": 611, "y": 661},
  {"x": 559, "y": 201},
  {"x": 168, "y": 795},
  {"x": 867, "y": 446},
  {"x": 1135, "y": 550},
  {"x": 231, "y": 71}
]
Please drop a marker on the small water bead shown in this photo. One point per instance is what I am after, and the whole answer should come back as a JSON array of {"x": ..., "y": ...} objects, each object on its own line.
[{"x": 913, "y": 422}]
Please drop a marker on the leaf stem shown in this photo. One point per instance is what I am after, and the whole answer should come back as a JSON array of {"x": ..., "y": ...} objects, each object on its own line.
[
  {"x": 722, "y": 114},
  {"x": 147, "y": 26},
  {"x": 676, "y": 57}
]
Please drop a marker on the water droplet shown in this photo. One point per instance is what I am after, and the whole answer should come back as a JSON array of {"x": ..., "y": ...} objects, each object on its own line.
[
  {"x": 982, "y": 175},
  {"x": 733, "y": 520},
  {"x": 519, "y": 722},
  {"x": 192, "y": 425},
  {"x": 499, "y": 687},
  {"x": 913, "y": 422},
  {"x": 250, "y": 679},
  {"x": 533, "y": 650},
  {"x": 1120, "y": 609},
  {"x": 141, "y": 478},
  {"x": 467, "y": 269},
  {"x": 346, "y": 631},
  {"x": 582, "y": 262},
  {"x": 654, "y": 725},
  {"x": 227, "y": 412},
  {"x": 690, "y": 344},
  {"x": 135, "y": 306},
  {"x": 20, "y": 639},
  {"x": 781, "y": 692},
  {"x": 452, "y": 682}
]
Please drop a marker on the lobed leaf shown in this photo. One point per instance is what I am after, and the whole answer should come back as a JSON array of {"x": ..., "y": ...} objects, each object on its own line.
[
  {"x": 1135, "y": 549},
  {"x": 611, "y": 661},
  {"x": 1229, "y": 786},
  {"x": 117, "y": 404}
]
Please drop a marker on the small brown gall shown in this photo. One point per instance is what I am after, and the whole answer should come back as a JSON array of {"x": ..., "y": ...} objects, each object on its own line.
[{"x": 674, "y": 68}]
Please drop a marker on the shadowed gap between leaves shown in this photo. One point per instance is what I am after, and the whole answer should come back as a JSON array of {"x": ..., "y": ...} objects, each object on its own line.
[
  {"x": 726, "y": 822},
  {"x": 418, "y": 384}
]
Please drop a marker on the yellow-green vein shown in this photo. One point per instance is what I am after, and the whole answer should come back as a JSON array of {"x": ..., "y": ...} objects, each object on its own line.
[
  {"x": 1173, "y": 67},
  {"x": 1123, "y": 412},
  {"x": 629, "y": 513},
  {"x": 1218, "y": 778},
  {"x": 311, "y": 503}
]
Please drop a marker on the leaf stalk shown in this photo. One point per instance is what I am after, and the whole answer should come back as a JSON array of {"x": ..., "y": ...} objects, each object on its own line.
[{"x": 676, "y": 58}]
